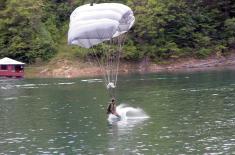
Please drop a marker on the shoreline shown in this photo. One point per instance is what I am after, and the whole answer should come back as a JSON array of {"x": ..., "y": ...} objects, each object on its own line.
[{"x": 74, "y": 68}]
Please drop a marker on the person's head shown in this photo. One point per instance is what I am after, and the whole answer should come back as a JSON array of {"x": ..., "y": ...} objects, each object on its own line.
[{"x": 113, "y": 100}]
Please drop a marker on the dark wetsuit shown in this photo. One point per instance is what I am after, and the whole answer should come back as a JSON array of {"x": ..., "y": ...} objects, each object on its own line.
[{"x": 112, "y": 109}]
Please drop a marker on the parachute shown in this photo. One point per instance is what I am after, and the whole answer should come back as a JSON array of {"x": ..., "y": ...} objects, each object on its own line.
[{"x": 102, "y": 28}]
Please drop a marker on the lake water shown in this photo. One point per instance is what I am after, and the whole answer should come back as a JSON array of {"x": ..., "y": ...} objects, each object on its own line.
[{"x": 189, "y": 113}]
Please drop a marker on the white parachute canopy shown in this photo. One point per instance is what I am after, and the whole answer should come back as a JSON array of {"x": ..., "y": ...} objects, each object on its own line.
[
  {"x": 104, "y": 24},
  {"x": 93, "y": 24}
]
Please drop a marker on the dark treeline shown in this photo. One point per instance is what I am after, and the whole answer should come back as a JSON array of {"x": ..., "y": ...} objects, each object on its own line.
[{"x": 31, "y": 29}]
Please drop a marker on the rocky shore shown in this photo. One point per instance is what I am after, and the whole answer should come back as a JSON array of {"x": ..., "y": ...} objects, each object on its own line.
[{"x": 72, "y": 69}]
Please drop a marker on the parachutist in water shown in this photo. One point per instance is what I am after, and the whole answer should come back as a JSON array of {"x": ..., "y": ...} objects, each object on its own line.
[{"x": 112, "y": 108}]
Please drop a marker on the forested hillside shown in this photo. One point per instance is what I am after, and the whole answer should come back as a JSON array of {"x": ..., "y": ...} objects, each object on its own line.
[{"x": 37, "y": 29}]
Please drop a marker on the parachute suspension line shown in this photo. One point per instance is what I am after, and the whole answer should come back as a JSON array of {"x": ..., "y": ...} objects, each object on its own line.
[
  {"x": 121, "y": 40},
  {"x": 117, "y": 55},
  {"x": 102, "y": 62},
  {"x": 118, "y": 60},
  {"x": 114, "y": 61},
  {"x": 97, "y": 59},
  {"x": 95, "y": 56},
  {"x": 110, "y": 66},
  {"x": 108, "y": 63},
  {"x": 103, "y": 69},
  {"x": 100, "y": 65},
  {"x": 105, "y": 64},
  {"x": 115, "y": 66},
  {"x": 112, "y": 56}
]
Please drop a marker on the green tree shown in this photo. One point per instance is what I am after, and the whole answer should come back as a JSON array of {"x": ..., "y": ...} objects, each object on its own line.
[
  {"x": 182, "y": 28},
  {"x": 163, "y": 28},
  {"x": 22, "y": 33}
]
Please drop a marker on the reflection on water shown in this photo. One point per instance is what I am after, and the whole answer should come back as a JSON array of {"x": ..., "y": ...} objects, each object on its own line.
[
  {"x": 189, "y": 113},
  {"x": 122, "y": 130}
]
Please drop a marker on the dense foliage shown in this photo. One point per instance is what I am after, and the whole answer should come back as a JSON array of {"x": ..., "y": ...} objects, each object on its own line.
[
  {"x": 164, "y": 29},
  {"x": 173, "y": 28}
]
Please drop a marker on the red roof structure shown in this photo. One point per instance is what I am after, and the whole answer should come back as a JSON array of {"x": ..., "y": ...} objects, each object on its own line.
[{"x": 11, "y": 68}]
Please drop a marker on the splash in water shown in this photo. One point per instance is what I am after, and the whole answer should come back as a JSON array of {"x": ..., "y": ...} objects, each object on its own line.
[{"x": 127, "y": 114}]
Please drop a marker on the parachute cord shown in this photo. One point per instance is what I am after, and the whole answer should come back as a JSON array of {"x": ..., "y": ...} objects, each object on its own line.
[
  {"x": 108, "y": 63},
  {"x": 110, "y": 68},
  {"x": 111, "y": 62},
  {"x": 105, "y": 73},
  {"x": 102, "y": 68},
  {"x": 115, "y": 63},
  {"x": 118, "y": 59},
  {"x": 118, "y": 62},
  {"x": 121, "y": 43}
]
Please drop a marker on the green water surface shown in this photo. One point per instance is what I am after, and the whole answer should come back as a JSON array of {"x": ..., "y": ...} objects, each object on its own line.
[{"x": 190, "y": 113}]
